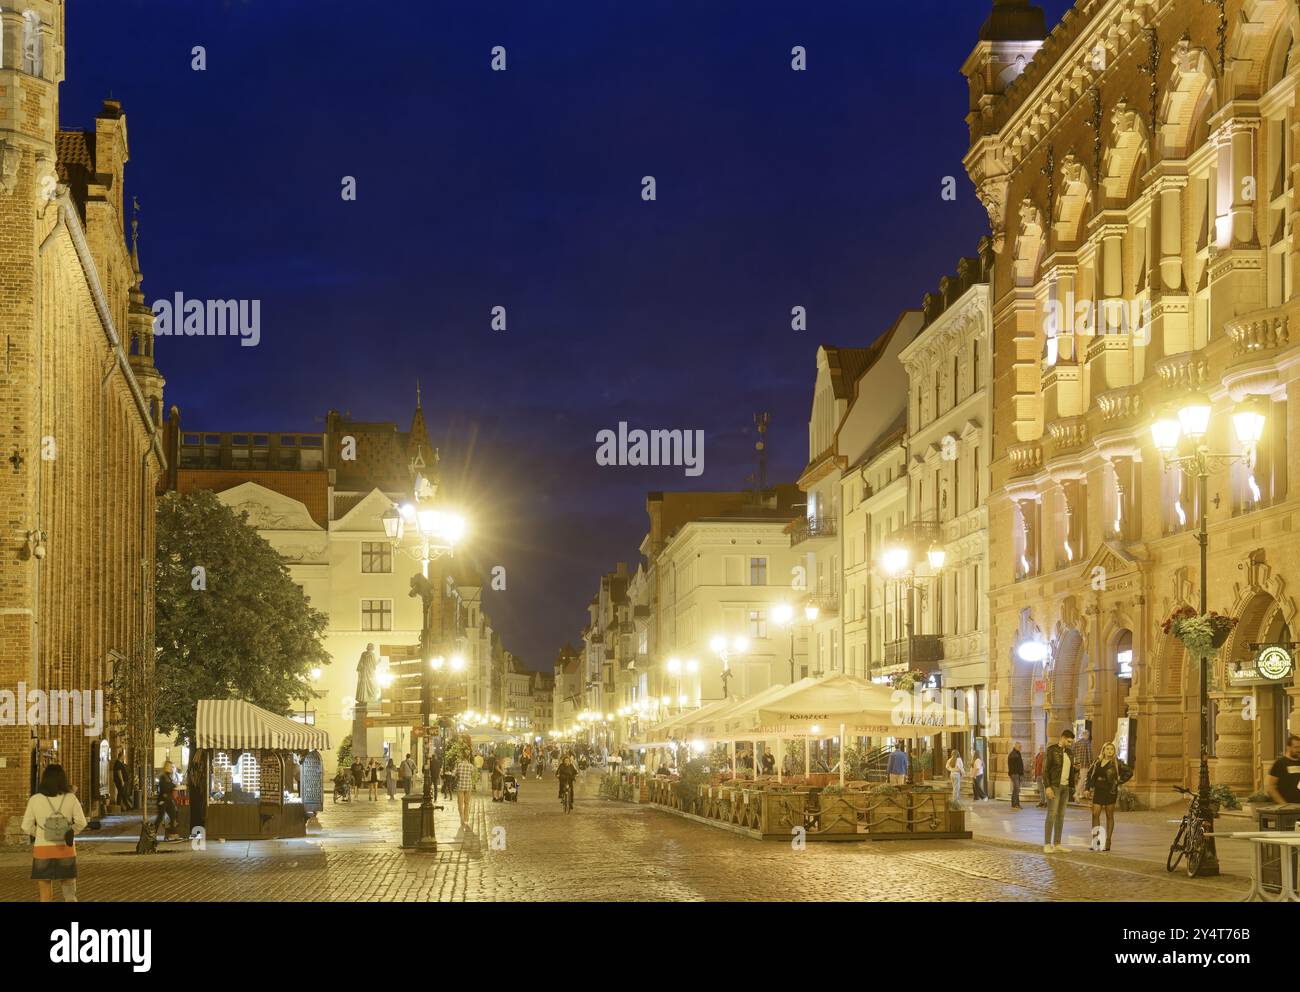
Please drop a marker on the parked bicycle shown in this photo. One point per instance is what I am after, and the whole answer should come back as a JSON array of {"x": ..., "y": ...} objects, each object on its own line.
[{"x": 1190, "y": 842}]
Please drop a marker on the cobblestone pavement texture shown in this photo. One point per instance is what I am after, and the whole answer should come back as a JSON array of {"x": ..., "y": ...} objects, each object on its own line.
[{"x": 603, "y": 850}]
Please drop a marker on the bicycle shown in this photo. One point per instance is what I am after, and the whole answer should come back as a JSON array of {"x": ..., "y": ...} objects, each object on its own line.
[
  {"x": 1190, "y": 841},
  {"x": 566, "y": 797}
]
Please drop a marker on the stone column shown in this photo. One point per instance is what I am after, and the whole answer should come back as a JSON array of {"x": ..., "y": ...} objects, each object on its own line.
[
  {"x": 1242, "y": 138},
  {"x": 1234, "y": 764}
]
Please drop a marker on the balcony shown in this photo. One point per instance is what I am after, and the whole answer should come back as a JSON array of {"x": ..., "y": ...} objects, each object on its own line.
[
  {"x": 810, "y": 529},
  {"x": 827, "y": 604},
  {"x": 921, "y": 651}
]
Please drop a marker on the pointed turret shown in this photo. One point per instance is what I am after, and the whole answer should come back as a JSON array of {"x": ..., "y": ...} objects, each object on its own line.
[
  {"x": 1008, "y": 41},
  {"x": 140, "y": 336}
]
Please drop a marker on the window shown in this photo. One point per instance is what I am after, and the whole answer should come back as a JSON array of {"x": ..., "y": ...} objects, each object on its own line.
[
  {"x": 376, "y": 614},
  {"x": 758, "y": 571},
  {"x": 758, "y": 623},
  {"x": 33, "y": 45},
  {"x": 956, "y": 379},
  {"x": 376, "y": 556},
  {"x": 975, "y": 365}
]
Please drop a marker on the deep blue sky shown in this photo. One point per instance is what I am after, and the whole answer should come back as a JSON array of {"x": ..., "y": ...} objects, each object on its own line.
[{"x": 522, "y": 189}]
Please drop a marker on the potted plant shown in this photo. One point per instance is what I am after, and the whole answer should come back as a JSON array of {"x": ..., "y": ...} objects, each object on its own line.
[
  {"x": 909, "y": 680},
  {"x": 1201, "y": 634}
]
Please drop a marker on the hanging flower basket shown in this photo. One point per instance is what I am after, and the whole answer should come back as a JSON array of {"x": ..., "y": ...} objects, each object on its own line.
[
  {"x": 909, "y": 680},
  {"x": 1201, "y": 634}
]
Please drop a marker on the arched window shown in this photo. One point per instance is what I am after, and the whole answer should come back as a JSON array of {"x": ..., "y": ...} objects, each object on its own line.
[{"x": 33, "y": 46}]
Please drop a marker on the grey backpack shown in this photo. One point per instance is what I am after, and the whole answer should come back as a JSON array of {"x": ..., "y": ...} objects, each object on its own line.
[{"x": 56, "y": 825}]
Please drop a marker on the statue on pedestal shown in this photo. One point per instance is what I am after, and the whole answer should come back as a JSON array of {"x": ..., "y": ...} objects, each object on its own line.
[{"x": 367, "y": 684}]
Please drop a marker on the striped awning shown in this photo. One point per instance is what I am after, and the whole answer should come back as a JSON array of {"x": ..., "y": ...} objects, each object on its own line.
[{"x": 233, "y": 723}]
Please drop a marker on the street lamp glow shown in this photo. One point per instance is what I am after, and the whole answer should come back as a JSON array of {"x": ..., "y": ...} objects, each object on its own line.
[
  {"x": 407, "y": 510},
  {"x": 718, "y": 644},
  {"x": 895, "y": 559},
  {"x": 674, "y": 666},
  {"x": 457, "y": 663},
  {"x": 681, "y": 700},
  {"x": 783, "y": 613},
  {"x": 937, "y": 556},
  {"x": 315, "y": 672},
  {"x": 692, "y": 666},
  {"x": 1248, "y": 421},
  {"x": 810, "y": 612},
  {"x": 437, "y": 662},
  {"x": 740, "y": 644},
  {"x": 816, "y": 728},
  {"x": 666, "y": 700},
  {"x": 392, "y": 524},
  {"x": 1165, "y": 431},
  {"x": 1032, "y": 651},
  {"x": 1194, "y": 416}
]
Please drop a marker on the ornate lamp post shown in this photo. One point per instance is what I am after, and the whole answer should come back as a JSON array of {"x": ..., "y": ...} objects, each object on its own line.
[
  {"x": 1192, "y": 421},
  {"x": 437, "y": 535},
  {"x": 723, "y": 648}
]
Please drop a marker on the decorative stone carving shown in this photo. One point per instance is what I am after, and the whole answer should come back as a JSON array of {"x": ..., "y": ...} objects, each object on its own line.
[{"x": 10, "y": 158}]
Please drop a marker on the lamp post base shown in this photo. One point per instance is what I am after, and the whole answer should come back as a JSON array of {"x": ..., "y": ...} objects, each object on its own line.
[{"x": 428, "y": 843}]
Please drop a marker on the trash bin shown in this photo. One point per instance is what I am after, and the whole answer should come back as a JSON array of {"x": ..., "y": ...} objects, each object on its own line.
[
  {"x": 1272, "y": 818},
  {"x": 412, "y": 826}
]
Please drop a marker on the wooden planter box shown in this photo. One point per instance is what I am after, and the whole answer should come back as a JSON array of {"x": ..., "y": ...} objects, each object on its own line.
[
  {"x": 843, "y": 813},
  {"x": 887, "y": 812},
  {"x": 928, "y": 812},
  {"x": 781, "y": 812},
  {"x": 956, "y": 821}
]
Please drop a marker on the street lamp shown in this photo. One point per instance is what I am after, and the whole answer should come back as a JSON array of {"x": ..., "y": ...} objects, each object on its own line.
[
  {"x": 438, "y": 533},
  {"x": 723, "y": 647},
  {"x": 1192, "y": 420},
  {"x": 315, "y": 677}
]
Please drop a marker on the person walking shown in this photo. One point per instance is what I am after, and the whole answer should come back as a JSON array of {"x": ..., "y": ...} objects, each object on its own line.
[
  {"x": 464, "y": 777},
  {"x": 52, "y": 820},
  {"x": 1016, "y": 771},
  {"x": 1283, "y": 780},
  {"x": 166, "y": 800},
  {"x": 390, "y": 779},
  {"x": 122, "y": 781},
  {"x": 436, "y": 773},
  {"x": 977, "y": 779},
  {"x": 196, "y": 787},
  {"x": 955, "y": 769},
  {"x": 1059, "y": 775},
  {"x": 406, "y": 772},
  {"x": 899, "y": 765},
  {"x": 1105, "y": 776},
  {"x": 358, "y": 775},
  {"x": 525, "y": 760},
  {"x": 1081, "y": 755},
  {"x": 498, "y": 781},
  {"x": 1038, "y": 777}
]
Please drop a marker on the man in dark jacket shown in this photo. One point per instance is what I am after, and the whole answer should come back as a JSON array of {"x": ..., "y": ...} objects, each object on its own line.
[
  {"x": 1016, "y": 770},
  {"x": 1059, "y": 774}
]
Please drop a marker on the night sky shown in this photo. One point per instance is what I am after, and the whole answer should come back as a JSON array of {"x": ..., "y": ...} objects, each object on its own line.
[{"x": 522, "y": 189}]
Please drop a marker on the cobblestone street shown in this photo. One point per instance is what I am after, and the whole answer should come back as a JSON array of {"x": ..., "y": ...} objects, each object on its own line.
[{"x": 604, "y": 850}]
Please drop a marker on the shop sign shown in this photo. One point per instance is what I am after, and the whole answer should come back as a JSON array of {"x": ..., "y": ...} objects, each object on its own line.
[{"x": 1274, "y": 662}]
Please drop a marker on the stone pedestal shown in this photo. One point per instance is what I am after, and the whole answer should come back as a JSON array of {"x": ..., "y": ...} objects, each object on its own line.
[{"x": 366, "y": 742}]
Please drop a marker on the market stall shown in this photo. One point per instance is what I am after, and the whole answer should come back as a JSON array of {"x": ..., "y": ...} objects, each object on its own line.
[{"x": 263, "y": 772}]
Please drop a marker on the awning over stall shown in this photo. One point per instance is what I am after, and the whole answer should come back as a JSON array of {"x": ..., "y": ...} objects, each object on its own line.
[{"x": 231, "y": 724}]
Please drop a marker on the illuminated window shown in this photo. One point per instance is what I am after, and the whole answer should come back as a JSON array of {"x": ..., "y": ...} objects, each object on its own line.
[
  {"x": 376, "y": 614},
  {"x": 376, "y": 556}
]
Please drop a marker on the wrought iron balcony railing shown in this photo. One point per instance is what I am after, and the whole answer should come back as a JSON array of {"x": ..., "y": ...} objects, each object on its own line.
[
  {"x": 917, "y": 651},
  {"x": 811, "y": 528}
]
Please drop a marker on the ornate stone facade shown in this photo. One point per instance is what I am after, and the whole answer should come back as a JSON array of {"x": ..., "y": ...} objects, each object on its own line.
[{"x": 1151, "y": 149}]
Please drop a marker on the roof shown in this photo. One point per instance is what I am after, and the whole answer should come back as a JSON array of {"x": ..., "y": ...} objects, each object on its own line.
[
  {"x": 233, "y": 723},
  {"x": 1014, "y": 20}
]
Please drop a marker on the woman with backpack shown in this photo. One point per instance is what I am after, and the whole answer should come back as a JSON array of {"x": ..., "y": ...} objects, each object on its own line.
[{"x": 52, "y": 820}]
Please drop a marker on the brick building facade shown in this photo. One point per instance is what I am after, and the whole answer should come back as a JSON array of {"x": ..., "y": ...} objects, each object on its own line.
[{"x": 80, "y": 456}]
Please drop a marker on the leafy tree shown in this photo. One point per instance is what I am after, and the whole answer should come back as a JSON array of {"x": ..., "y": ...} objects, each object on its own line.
[{"x": 239, "y": 628}]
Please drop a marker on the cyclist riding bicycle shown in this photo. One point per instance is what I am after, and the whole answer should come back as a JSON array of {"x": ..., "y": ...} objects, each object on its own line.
[{"x": 566, "y": 773}]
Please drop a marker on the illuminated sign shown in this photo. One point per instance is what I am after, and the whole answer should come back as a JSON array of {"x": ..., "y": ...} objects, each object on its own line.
[{"x": 1274, "y": 662}]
